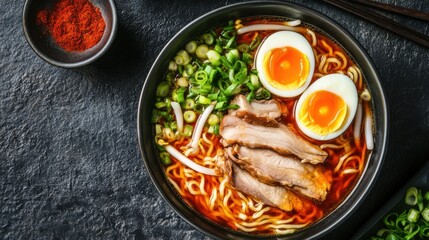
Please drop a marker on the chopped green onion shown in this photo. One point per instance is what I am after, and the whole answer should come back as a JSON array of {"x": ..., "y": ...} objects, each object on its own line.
[
  {"x": 200, "y": 90},
  {"x": 173, "y": 126},
  {"x": 425, "y": 214},
  {"x": 187, "y": 132},
  {"x": 230, "y": 43},
  {"x": 170, "y": 76},
  {"x": 413, "y": 215},
  {"x": 163, "y": 89},
  {"x": 262, "y": 94},
  {"x": 160, "y": 148},
  {"x": 241, "y": 75},
  {"x": 201, "y": 77},
  {"x": 411, "y": 196},
  {"x": 180, "y": 69},
  {"x": 158, "y": 129},
  {"x": 247, "y": 58},
  {"x": 208, "y": 69},
  {"x": 232, "y": 55},
  {"x": 160, "y": 104},
  {"x": 204, "y": 100},
  {"x": 178, "y": 95},
  {"x": 220, "y": 105},
  {"x": 191, "y": 47},
  {"x": 172, "y": 66},
  {"x": 189, "y": 116},
  {"x": 231, "y": 89},
  {"x": 189, "y": 103},
  {"x": 214, "y": 129},
  {"x": 233, "y": 106},
  {"x": 182, "y": 82},
  {"x": 225, "y": 62},
  {"x": 185, "y": 56},
  {"x": 244, "y": 48},
  {"x": 420, "y": 201},
  {"x": 189, "y": 69},
  {"x": 179, "y": 60},
  {"x": 212, "y": 75},
  {"x": 254, "y": 80},
  {"x": 218, "y": 48},
  {"x": 165, "y": 158},
  {"x": 213, "y": 96},
  {"x": 240, "y": 65},
  {"x": 167, "y": 103},
  {"x": 208, "y": 38},
  {"x": 231, "y": 74},
  {"x": 213, "y": 57},
  {"x": 424, "y": 232},
  {"x": 201, "y": 51},
  {"x": 250, "y": 96},
  {"x": 213, "y": 119}
]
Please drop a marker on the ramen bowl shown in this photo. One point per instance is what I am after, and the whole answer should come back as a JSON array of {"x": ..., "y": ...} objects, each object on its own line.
[{"x": 218, "y": 17}]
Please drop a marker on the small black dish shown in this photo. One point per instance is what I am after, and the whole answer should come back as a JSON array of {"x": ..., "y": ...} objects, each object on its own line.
[
  {"x": 48, "y": 50},
  {"x": 395, "y": 205}
]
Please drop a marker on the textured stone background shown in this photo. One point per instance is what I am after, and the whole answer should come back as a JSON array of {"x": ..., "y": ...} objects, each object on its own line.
[{"x": 69, "y": 160}]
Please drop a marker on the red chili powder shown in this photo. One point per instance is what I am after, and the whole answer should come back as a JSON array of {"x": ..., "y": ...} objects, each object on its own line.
[{"x": 75, "y": 25}]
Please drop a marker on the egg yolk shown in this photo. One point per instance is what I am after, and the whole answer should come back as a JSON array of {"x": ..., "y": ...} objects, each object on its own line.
[
  {"x": 323, "y": 112},
  {"x": 286, "y": 67}
]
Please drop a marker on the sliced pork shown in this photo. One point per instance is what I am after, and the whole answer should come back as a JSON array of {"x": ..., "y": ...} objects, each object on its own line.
[
  {"x": 264, "y": 112},
  {"x": 276, "y": 196},
  {"x": 271, "y": 168},
  {"x": 279, "y": 139}
]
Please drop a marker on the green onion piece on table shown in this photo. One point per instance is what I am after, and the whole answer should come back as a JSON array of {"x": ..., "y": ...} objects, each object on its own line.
[{"x": 411, "y": 196}]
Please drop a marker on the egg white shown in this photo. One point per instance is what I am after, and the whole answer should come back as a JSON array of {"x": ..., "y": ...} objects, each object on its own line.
[
  {"x": 340, "y": 85},
  {"x": 278, "y": 40}
]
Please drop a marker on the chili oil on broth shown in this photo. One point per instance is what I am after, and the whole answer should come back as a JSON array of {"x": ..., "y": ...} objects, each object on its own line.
[{"x": 215, "y": 199}]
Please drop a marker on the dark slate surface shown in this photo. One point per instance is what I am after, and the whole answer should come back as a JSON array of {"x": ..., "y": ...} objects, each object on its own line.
[{"x": 70, "y": 165}]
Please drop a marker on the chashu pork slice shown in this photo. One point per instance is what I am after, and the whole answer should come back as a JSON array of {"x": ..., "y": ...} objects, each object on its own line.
[
  {"x": 279, "y": 139},
  {"x": 271, "y": 168},
  {"x": 276, "y": 196},
  {"x": 263, "y": 112}
]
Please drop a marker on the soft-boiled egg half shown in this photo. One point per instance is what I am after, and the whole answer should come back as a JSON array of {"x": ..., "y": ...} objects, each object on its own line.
[
  {"x": 326, "y": 108},
  {"x": 285, "y": 63}
]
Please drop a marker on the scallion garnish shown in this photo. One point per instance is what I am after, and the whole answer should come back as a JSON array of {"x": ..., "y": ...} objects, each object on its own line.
[
  {"x": 412, "y": 223},
  {"x": 411, "y": 196},
  {"x": 202, "y": 77}
]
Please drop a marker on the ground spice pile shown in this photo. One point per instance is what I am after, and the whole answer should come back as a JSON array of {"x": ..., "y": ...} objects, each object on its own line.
[{"x": 75, "y": 25}]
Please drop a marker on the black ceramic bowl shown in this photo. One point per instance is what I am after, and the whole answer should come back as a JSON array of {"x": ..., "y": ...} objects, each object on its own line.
[
  {"x": 48, "y": 50},
  {"x": 219, "y": 17}
]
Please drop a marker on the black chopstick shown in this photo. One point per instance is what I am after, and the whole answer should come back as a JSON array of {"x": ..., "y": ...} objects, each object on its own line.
[
  {"x": 382, "y": 21},
  {"x": 396, "y": 9}
]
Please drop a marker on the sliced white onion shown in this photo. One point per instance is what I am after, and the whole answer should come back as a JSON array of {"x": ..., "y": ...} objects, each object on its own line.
[
  {"x": 368, "y": 130},
  {"x": 179, "y": 115},
  {"x": 289, "y": 26},
  {"x": 188, "y": 162},
  {"x": 293, "y": 23},
  {"x": 358, "y": 123},
  {"x": 196, "y": 135}
]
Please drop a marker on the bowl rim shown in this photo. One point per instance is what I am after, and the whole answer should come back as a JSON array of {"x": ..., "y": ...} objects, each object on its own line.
[
  {"x": 48, "y": 59},
  {"x": 382, "y": 130}
]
